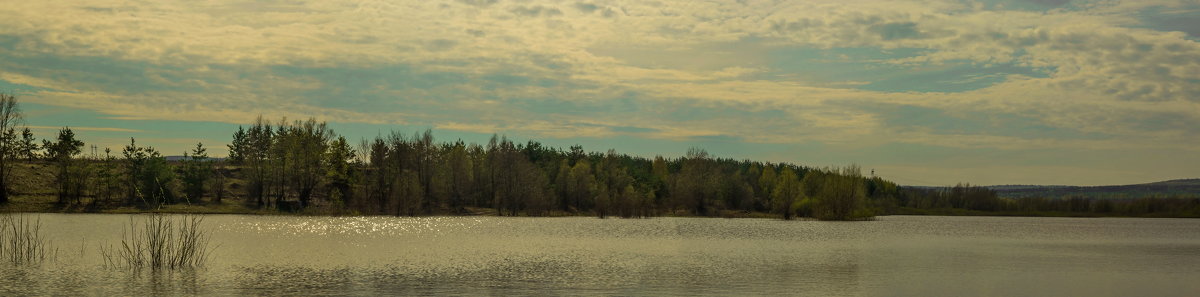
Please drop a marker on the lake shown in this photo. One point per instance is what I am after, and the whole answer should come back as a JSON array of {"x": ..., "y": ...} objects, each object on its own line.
[{"x": 892, "y": 256}]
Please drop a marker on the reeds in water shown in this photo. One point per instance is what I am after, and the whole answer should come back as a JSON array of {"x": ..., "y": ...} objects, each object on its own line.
[
  {"x": 21, "y": 240},
  {"x": 160, "y": 243}
]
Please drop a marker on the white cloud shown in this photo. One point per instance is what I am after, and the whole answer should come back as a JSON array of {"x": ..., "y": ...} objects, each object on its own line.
[{"x": 1103, "y": 73}]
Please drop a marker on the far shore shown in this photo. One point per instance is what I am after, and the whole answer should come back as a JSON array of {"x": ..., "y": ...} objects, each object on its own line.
[{"x": 46, "y": 204}]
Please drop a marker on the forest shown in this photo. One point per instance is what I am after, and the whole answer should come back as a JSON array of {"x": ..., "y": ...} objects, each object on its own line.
[{"x": 303, "y": 166}]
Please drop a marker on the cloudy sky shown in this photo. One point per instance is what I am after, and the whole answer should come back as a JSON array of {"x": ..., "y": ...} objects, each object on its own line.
[{"x": 923, "y": 92}]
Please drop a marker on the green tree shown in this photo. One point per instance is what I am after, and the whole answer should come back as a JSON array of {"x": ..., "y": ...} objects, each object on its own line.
[
  {"x": 148, "y": 177},
  {"x": 195, "y": 173},
  {"x": 339, "y": 161},
  {"x": 304, "y": 145},
  {"x": 841, "y": 195},
  {"x": 787, "y": 194},
  {"x": 426, "y": 155},
  {"x": 240, "y": 147},
  {"x": 581, "y": 186},
  {"x": 461, "y": 175},
  {"x": 661, "y": 175},
  {"x": 379, "y": 176},
  {"x": 692, "y": 187},
  {"x": 68, "y": 175},
  {"x": 27, "y": 147},
  {"x": 648, "y": 206},
  {"x": 219, "y": 179},
  {"x": 409, "y": 193},
  {"x": 534, "y": 190},
  {"x": 252, "y": 150},
  {"x": 615, "y": 186},
  {"x": 767, "y": 181},
  {"x": 562, "y": 179},
  {"x": 108, "y": 184}
]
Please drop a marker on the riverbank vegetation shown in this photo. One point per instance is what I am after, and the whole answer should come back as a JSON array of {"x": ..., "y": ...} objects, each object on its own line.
[
  {"x": 21, "y": 240},
  {"x": 305, "y": 167},
  {"x": 162, "y": 243}
]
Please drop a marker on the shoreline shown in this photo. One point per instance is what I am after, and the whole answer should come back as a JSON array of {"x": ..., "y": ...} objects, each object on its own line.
[{"x": 241, "y": 209}]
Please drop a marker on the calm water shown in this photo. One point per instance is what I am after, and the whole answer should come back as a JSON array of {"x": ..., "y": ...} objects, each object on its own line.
[{"x": 894, "y": 256}]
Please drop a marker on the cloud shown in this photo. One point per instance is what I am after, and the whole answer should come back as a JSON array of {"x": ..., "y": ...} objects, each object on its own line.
[
  {"x": 103, "y": 129},
  {"x": 993, "y": 74},
  {"x": 535, "y": 11},
  {"x": 586, "y": 7},
  {"x": 893, "y": 31}
]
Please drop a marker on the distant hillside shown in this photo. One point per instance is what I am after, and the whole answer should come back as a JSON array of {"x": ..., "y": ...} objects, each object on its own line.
[
  {"x": 1179, "y": 187},
  {"x": 181, "y": 158}
]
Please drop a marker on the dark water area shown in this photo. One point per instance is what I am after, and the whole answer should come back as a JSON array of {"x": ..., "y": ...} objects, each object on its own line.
[{"x": 892, "y": 256}]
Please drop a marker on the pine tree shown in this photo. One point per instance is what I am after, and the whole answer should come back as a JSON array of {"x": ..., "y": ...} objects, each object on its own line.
[
  {"x": 195, "y": 173},
  {"x": 62, "y": 153}
]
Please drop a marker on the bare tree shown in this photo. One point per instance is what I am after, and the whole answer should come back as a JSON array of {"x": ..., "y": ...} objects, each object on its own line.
[{"x": 10, "y": 118}]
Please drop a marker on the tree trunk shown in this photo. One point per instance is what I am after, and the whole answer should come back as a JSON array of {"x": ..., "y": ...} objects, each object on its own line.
[
  {"x": 4, "y": 173},
  {"x": 305, "y": 195},
  {"x": 258, "y": 194}
]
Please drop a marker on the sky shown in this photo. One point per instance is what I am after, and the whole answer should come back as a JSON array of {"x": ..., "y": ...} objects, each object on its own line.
[{"x": 922, "y": 92}]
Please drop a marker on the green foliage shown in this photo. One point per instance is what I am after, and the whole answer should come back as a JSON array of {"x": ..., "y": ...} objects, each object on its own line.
[
  {"x": 298, "y": 164},
  {"x": 580, "y": 188},
  {"x": 300, "y": 152},
  {"x": 616, "y": 191},
  {"x": 27, "y": 147},
  {"x": 340, "y": 161},
  {"x": 804, "y": 207},
  {"x": 514, "y": 183},
  {"x": 195, "y": 172},
  {"x": 787, "y": 194},
  {"x": 692, "y": 188},
  {"x": 408, "y": 193},
  {"x": 109, "y": 178},
  {"x": 148, "y": 177},
  {"x": 64, "y": 148},
  {"x": 291, "y": 160},
  {"x": 839, "y": 194},
  {"x": 767, "y": 181},
  {"x": 240, "y": 148},
  {"x": 252, "y": 149},
  {"x": 70, "y": 177}
]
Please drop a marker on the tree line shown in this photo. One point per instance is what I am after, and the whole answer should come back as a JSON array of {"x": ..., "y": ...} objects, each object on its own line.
[
  {"x": 304, "y": 166},
  {"x": 295, "y": 165},
  {"x": 982, "y": 200}
]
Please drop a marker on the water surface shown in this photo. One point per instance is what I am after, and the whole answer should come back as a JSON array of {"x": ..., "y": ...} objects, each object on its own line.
[{"x": 893, "y": 256}]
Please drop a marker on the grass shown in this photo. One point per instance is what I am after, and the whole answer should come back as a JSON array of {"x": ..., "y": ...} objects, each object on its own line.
[
  {"x": 21, "y": 240},
  {"x": 162, "y": 243}
]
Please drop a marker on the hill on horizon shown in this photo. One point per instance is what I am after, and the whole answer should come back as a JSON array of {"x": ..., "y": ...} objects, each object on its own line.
[
  {"x": 1176, "y": 187},
  {"x": 176, "y": 158}
]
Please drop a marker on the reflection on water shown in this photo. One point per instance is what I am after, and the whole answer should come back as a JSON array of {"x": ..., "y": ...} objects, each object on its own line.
[
  {"x": 894, "y": 256},
  {"x": 357, "y": 226}
]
